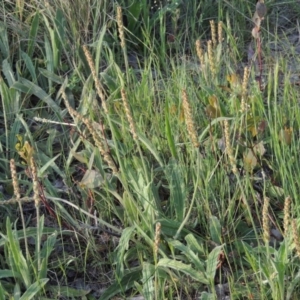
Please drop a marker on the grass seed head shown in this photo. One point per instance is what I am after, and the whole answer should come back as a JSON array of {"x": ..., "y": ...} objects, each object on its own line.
[
  {"x": 15, "y": 179},
  {"x": 99, "y": 88},
  {"x": 245, "y": 89},
  {"x": 157, "y": 238},
  {"x": 189, "y": 119},
  {"x": 36, "y": 195},
  {"x": 121, "y": 27},
  {"x": 220, "y": 32},
  {"x": 211, "y": 58},
  {"x": 129, "y": 115},
  {"x": 200, "y": 53},
  {"x": 265, "y": 219},
  {"x": 287, "y": 215},
  {"x": 296, "y": 236},
  {"x": 229, "y": 148},
  {"x": 213, "y": 33}
]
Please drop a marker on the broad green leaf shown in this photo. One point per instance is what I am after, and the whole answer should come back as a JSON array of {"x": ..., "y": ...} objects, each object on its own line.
[
  {"x": 169, "y": 227},
  {"x": 181, "y": 267},
  {"x": 51, "y": 76},
  {"x": 212, "y": 263},
  {"x": 122, "y": 248},
  {"x": 148, "y": 285},
  {"x": 6, "y": 273},
  {"x": 195, "y": 245},
  {"x": 192, "y": 256}
]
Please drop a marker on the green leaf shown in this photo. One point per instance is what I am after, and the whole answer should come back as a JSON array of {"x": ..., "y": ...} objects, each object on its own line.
[
  {"x": 6, "y": 273},
  {"x": 31, "y": 232},
  {"x": 8, "y": 72},
  {"x": 192, "y": 256},
  {"x": 47, "y": 249},
  {"x": 150, "y": 147},
  {"x": 4, "y": 44},
  {"x": 169, "y": 227},
  {"x": 122, "y": 248},
  {"x": 28, "y": 87},
  {"x": 51, "y": 76},
  {"x": 34, "y": 289},
  {"x": 181, "y": 267},
  {"x": 123, "y": 285},
  {"x": 148, "y": 285},
  {"x": 33, "y": 33},
  {"x": 178, "y": 189},
  {"x": 207, "y": 296},
  {"x": 58, "y": 39},
  {"x": 215, "y": 230},
  {"x": 49, "y": 163},
  {"x": 195, "y": 245},
  {"x": 17, "y": 292},
  {"x": 2, "y": 292},
  {"x": 212, "y": 262},
  {"x": 65, "y": 291},
  {"x": 17, "y": 260},
  {"x": 169, "y": 134},
  {"x": 29, "y": 65}
]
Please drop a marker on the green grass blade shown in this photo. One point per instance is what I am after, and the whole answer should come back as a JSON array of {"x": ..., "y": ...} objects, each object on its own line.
[
  {"x": 28, "y": 87},
  {"x": 123, "y": 285},
  {"x": 2, "y": 292},
  {"x": 51, "y": 76},
  {"x": 8, "y": 72},
  {"x": 33, "y": 33},
  {"x": 215, "y": 230},
  {"x": 178, "y": 189},
  {"x": 4, "y": 44},
  {"x": 29, "y": 64},
  {"x": 169, "y": 134},
  {"x": 19, "y": 262},
  {"x": 34, "y": 289}
]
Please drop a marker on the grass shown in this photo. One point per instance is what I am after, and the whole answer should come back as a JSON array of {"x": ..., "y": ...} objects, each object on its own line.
[{"x": 149, "y": 153}]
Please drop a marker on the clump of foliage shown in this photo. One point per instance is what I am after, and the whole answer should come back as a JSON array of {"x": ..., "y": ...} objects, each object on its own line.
[{"x": 145, "y": 152}]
